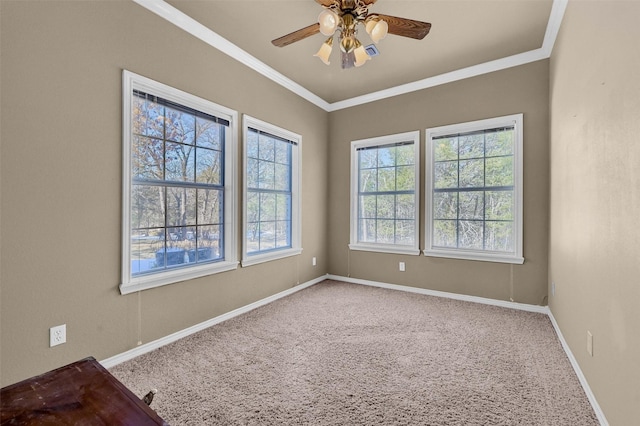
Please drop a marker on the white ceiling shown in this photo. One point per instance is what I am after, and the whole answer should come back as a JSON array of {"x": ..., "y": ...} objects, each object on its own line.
[{"x": 467, "y": 38}]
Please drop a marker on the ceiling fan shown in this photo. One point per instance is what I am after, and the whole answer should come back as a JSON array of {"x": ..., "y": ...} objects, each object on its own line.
[{"x": 343, "y": 16}]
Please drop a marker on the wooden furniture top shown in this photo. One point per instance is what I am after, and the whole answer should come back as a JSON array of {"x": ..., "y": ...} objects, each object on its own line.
[{"x": 81, "y": 393}]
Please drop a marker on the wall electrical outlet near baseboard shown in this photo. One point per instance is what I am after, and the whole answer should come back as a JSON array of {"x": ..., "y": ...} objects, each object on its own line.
[{"x": 589, "y": 343}]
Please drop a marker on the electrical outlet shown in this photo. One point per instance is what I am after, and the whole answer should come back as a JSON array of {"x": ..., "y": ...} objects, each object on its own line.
[
  {"x": 401, "y": 267},
  {"x": 553, "y": 288},
  {"x": 57, "y": 335},
  {"x": 589, "y": 343},
  {"x": 313, "y": 261}
]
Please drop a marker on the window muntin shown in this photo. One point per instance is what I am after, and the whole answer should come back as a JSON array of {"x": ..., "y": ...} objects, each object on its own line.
[
  {"x": 178, "y": 192},
  {"x": 271, "y": 192},
  {"x": 384, "y": 200},
  {"x": 474, "y": 185}
]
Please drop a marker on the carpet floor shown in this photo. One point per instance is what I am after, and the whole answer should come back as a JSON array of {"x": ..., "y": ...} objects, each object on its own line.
[{"x": 346, "y": 354}]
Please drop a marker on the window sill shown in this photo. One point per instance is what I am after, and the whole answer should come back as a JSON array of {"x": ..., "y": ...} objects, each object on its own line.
[
  {"x": 174, "y": 276},
  {"x": 478, "y": 256},
  {"x": 382, "y": 248},
  {"x": 268, "y": 257}
]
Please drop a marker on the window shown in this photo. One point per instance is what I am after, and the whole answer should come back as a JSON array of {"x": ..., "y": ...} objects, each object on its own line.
[
  {"x": 474, "y": 190},
  {"x": 178, "y": 180},
  {"x": 384, "y": 194},
  {"x": 271, "y": 192}
]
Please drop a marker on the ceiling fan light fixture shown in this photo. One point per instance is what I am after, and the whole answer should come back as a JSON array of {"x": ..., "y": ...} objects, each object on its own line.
[
  {"x": 328, "y": 22},
  {"x": 361, "y": 55},
  {"x": 379, "y": 31},
  {"x": 325, "y": 51},
  {"x": 348, "y": 44}
]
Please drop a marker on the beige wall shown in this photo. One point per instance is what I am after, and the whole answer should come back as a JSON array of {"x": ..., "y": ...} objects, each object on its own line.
[
  {"x": 61, "y": 180},
  {"x": 595, "y": 197},
  {"x": 522, "y": 89}
]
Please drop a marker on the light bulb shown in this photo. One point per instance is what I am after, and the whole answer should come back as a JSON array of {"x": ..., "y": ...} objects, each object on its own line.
[
  {"x": 325, "y": 51},
  {"x": 328, "y": 22}
]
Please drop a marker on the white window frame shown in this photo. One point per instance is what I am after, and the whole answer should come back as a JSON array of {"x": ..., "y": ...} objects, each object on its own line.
[
  {"x": 129, "y": 283},
  {"x": 414, "y": 137},
  {"x": 516, "y": 257},
  {"x": 296, "y": 185}
]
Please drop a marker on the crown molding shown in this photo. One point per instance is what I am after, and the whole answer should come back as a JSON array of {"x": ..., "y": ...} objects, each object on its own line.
[{"x": 193, "y": 27}]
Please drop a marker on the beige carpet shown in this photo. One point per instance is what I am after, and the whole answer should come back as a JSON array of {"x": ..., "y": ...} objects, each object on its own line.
[{"x": 346, "y": 354}]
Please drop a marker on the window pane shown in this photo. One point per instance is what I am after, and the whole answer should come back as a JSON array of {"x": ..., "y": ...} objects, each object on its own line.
[
  {"x": 405, "y": 155},
  {"x": 181, "y": 206},
  {"x": 209, "y": 133},
  {"x": 445, "y": 149},
  {"x": 499, "y": 171},
  {"x": 444, "y": 233},
  {"x": 267, "y": 235},
  {"x": 445, "y": 205},
  {"x": 266, "y": 148},
  {"x": 210, "y": 206},
  {"x": 266, "y": 175},
  {"x": 471, "y": 205},
  {"x": 387, "y": 156},
  {"x": 385, "y": 231},
  {"x": 208, "y": 243},
  {"x": 252, "y": 144},
  {"x": 471, "y": 173},
  {"x": 471, "y": 234},
  {"x": 368, "y": 158},
  {"x": 143, "y": 250},
  {"x": 147, "y": 206},
  {"x": 368, "y": 206},
  {"x": 368, "y": 180},
  {"x": 282, "y": 177},
  {"x": 208, "y": 166},
  {"x": 471, "y": 146},
  {"x": 147, "y": 158},
  {"x": 446, "y": 175},
  {"x": 283, "y": 207},
  {"x": 267, "y": 207},
  {"x": 405, "y": 178},
  {"x": 387, "y": 179},
  {"x": 367, "y": 230},
  {"x": 180, "y": 126},
  {"x": 499, "y": 236},
  {"x": 283, "y": 153},
  {"x": 283, "y": 233},
  {"x": 405, "y": 206},
  {"x": 252, "y": 173},
  {"x": 179, "y": 162},
  {"x": 386, "y": 207},
  {"x": 147, "y": 118},
  {"x": 405, "y": 232},
  {"x": 499, "y": 205},
  {"x": 500, "y": 142}
]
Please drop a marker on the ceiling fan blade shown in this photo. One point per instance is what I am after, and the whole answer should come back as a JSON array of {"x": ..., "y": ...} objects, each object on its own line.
[
  {"x": 297, "y": 35},
  {"x": 406, "y": 27}
]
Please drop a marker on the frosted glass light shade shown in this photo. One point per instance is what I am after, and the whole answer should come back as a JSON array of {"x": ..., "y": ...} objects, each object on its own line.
[
  {"x": 361, "y": 56},
  {"x": 325, "y": 51},
  {"x": 328, "y": 22},
  {"x": 379, "y": 31}
]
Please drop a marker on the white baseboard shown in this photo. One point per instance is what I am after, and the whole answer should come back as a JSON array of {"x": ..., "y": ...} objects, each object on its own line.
[
  {"x": 148, "y": 347},
  {"x": 456, "y": 296}
]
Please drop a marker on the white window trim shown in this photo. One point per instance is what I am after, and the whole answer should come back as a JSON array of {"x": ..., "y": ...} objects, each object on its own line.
[
  {"x": 296, "y": 185},
  {"x": 480, "y": 255},
  {"x": 383, "y": 140},
  {"x": 129, "y": 284}
]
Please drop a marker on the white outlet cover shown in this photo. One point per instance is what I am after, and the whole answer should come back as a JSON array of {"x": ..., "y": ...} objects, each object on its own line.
[{"x": 57, "y": 335}]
